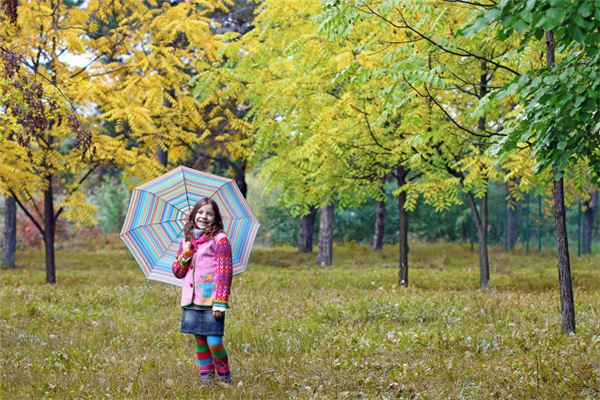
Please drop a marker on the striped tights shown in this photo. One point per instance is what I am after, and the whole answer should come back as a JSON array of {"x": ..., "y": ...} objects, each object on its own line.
[{"x": 212, "y": 357}]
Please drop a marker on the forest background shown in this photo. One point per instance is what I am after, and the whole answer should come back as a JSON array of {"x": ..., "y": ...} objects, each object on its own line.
[{"x": 463, "y": 127}]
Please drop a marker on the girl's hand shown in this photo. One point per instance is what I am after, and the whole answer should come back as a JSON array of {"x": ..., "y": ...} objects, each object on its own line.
[
  {"x": 187, "y": 246},
  {"x": 218, "y": 314}
]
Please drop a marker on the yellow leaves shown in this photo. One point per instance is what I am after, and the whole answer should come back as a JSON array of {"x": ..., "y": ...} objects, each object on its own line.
[
  {"x": 342, "y": 59},
  {"x": 193, "y": 112},
  {"x": 113, "y": 149},
  {"x": 15, "y": 175},
  {"x": 155, "y": 97},
  {"x": 129, "y": 59},
  {"x": 412, "y": 195},
  {"x": 520, "y": 174},
  {"x": 214, "y": 123},
  {"x": 478, "y": 170},
  {"x": 80, "y": 211},
  {"x": 73, "y": 40},
  {"x": 311, "y": 126},
  {"x": 205, "y": 134},
  {"x": 577, "y": 183},
  {"x": 237, "y": 124},
  {"x": 185, "y": 18},
  {"x": 145, "y": 168},
  {"x": 140, "y": 120},
  {"x": 440, "y": 191}
]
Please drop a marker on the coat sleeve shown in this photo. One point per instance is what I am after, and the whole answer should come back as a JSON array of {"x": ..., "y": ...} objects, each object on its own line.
[
  {"x": 181, "y": 263},
  {"x": 224, "y": 275}
]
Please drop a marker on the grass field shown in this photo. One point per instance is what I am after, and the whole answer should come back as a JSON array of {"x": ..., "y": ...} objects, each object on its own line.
[{"x": 300, "y": 331}]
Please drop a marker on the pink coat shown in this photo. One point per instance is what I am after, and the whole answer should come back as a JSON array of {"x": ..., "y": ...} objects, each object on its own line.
[{"x": 207, "y": 277}]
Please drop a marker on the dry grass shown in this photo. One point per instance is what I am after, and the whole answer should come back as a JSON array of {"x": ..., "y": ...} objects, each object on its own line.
[{"x": 300, "y": 331}]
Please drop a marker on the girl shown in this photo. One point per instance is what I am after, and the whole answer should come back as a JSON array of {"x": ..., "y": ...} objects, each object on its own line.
[{"x": 204, "y": 262}]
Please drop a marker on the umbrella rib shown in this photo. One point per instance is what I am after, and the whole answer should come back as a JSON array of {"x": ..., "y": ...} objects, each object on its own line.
[
  {"x": 187, "y": 198},
  {"x": 247, "y": 209},
  {"x": 219, "y": 188}
]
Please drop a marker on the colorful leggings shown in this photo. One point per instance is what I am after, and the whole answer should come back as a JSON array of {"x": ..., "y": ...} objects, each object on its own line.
[{"x": 212, "y": 356}]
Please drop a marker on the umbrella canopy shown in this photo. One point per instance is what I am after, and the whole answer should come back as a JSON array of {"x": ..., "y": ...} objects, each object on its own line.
[{"x": 158, "y": 211}]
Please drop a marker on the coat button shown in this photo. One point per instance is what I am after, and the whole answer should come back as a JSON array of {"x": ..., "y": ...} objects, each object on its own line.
[{"x": 191, "y": 285}]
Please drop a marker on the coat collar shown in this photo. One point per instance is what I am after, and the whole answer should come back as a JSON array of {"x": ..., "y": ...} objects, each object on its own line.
[{"x": 203, "y": 239}]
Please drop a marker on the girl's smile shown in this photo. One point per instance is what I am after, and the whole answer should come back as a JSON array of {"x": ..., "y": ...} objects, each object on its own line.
[{"x": 204, "y": 217}]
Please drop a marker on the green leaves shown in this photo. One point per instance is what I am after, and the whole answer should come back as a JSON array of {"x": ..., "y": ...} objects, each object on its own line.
[
  {"x": 559, "y": 115},
  {"x": 554, "y": 17},
  {"x": 586, "y": 9},
  {"x": 337, "y": 18},
  {"x": 570, "y": 20},
  {"x": 560, "y": 109}
]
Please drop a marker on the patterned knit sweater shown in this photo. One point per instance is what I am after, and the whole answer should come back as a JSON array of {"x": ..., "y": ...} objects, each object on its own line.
[{"x": 224, "y": 272}]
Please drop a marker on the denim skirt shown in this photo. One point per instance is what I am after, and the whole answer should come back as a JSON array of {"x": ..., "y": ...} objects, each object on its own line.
[{"x": 201, "y": 322}]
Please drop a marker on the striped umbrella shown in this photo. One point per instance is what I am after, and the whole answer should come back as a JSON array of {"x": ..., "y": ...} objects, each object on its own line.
[{"x": 158, "y": 211}]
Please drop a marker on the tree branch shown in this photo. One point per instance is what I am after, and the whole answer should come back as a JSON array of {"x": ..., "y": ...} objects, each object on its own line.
[
  {"x": 30, "y": 197},
  {"x": 113, "y": 47},
  {"x": 473, "y": 3},
  {"x": 37, "y": 225},
  {"x": 473, "y": 204},
  {"x": 463, "y": 52},
  {"x": 365, "y": 115},
  {"x": 74, "y": 188}
]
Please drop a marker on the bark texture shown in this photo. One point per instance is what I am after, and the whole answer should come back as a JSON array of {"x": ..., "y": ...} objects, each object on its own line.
[
  {"x": 511, "y": 219},
  {"x": 379, "y": 225},
  {"x": 567, "y": 303},
  {"x": 325, "y": 254},
  {"x": 587, "y": 228},
  {"x": 10, "y": 232},
  {"x": 305, "y": 231},
  {"x": 564, "y": 263},
  {"x": 403, "y": 230},
  {"x": 480, "y": 215},
  {"x": 49, "y": 230}
]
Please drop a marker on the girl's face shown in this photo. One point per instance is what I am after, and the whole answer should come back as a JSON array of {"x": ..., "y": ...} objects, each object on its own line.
[{"x": 204, "y": 217}]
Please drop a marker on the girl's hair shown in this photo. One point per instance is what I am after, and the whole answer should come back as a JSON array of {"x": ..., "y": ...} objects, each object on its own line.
[{"x": 212, "y": 230}]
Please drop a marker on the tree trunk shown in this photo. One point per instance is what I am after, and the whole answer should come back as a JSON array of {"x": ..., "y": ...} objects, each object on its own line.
[
  {"x": 403, "y": 229},
  {"x": 564, "y": 263},
  {"x": 325, "y": 255},
  {"x": 481, "y": 222},
  {"x": 511, "y": 219},
  {"x": 240, "y": 176},
  {"x": 481, "y": 217},
  {"x": 10, "y": 232},
  {"x": 379, "y": 225},
  {"x": 49, "y": 229},
  {"x": 305, "y": 231},
  {"x": 162, "y": 155},
  {"x": 567, "y": 304},
  {"x": 484, "y": 263},
  {"x": 589, "y": 216}
]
